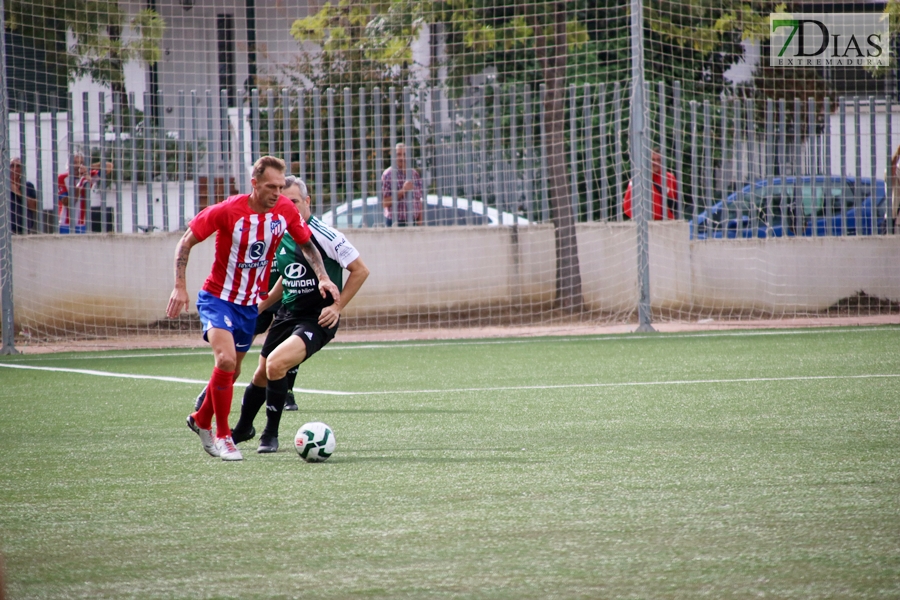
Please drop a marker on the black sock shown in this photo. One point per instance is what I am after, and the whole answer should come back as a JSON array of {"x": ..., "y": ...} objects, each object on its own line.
[
  {"x": 292, "y": 377},
  {"x": 276, "y": 392},
  {"x": 254, "y": 398}
]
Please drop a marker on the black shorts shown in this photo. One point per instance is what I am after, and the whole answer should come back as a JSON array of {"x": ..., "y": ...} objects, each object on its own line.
[{"x": 307, "y": 328}]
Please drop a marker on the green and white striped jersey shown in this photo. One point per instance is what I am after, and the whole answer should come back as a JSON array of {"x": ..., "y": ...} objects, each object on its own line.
[{"x": 301, "y": 285}]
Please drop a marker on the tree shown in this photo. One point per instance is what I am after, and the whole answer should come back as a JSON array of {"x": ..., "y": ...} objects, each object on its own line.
[
  {"x": 356, "y": 44},
  {"x": 527, "y": 43},
  {"x": 551, "y": 51},
  {"x": 369, "y": 44},
  {"x": 100, "y": 49}
]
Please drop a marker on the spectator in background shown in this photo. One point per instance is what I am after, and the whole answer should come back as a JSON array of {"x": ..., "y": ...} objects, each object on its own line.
[
  {"x": 82, "y": 181},
  {"x": 409, "y": 192},
  {"x": 671, "y": 191},
  {"x": 23, "y": 203}
]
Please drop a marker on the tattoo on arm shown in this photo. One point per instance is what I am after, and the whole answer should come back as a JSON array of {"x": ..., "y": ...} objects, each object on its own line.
[
  {"x": 315, "y": 259},
  {"x": 181, "y": 258}
]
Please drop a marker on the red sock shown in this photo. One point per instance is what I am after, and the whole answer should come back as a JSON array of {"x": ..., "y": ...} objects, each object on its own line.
[{"x": 219, "y": 395}]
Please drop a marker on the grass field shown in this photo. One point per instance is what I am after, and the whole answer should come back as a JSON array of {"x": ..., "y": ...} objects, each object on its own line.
[{"x": 720, "y": 465}]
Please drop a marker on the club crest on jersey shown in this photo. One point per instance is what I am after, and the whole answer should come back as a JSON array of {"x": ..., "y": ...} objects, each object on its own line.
[{"x": 276, "y": 227}]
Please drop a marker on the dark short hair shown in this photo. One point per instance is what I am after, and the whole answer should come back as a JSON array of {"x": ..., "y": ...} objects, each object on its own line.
[{"x": 267, "y": 162}]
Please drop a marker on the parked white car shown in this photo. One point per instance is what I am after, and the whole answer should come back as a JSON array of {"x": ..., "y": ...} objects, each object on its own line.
[{"x": 438, "y": 211}]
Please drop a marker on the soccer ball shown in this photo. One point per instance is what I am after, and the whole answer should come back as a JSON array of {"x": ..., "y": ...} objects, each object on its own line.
[{"x": 314, "y": 442}]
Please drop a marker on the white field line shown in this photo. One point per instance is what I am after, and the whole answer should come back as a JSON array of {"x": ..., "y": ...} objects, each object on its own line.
[
  {"x": 476, "y": 389},
  {"x": 153, "y": 378},
  {"x": 625, "y": 384},
  {"x": 339, "y": 346}
]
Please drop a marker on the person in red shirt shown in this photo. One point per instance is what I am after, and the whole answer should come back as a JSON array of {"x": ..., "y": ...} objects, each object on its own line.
[
  {"x": 248, "y": 229},
  {"x": 671, "y": 191},
  {"x": 83, "y": 180}
]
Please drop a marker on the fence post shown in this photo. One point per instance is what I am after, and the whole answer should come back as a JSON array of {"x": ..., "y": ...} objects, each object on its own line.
[
  {"x": 195, "y": 153},
  {"x": 118, "y": 160},
  {"x": 588, "y": 154},
  {"x": 619, "y": 189},
  {"x": 104, "y": 183},
  {"x": 842, "y": 108},
  {"x": 317, "y": 151},
  {"x": 180, "y": 152},
  {"x": 286, "y": 129},
  {"x": 406, "y": 97},
  {"x": 332, "y": 155},
  {"x": 149, "y": 162},
  {"x": 54, "y": 160},
  {"x": 301, "y": 135},
  {"x": 134, "y": 164},
  {"x": 163, "y": 173},
  {"x": 86, "y": 152},
  {"x": 528, "y": 152},
  {"x": 270, "y": 122},
  {"x": 348, "y": 158},
  {"x": 39, "y": 153},
  {"x": 6, "y": 264},
  {"x": 857, "y": 189},
  {"x": 211, "y": 154},
  {"x": 363, "y": 164},
  {"x": 378, "y": 144},
  {"x": 602, "y": 147},
  {"x": 872, "y": 167},
  {"x": 392, "y": 141},
  {"x": 640, "y": 197},
  {"x": 545, "y": 199},
  {"x": 677, "y": 149},
  {"x": 663, "y": 151},
  {"x": 255, "y": 129},
  {"x": 889, "y": 176},
  {"x": 573, "y": 150}
]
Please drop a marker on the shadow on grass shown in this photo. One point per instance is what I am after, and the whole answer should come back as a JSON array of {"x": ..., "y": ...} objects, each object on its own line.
[
  {"x": 428, "y": 459},
  {"x": 394, "y": 411},
  {"x": 427, "y": 455}
]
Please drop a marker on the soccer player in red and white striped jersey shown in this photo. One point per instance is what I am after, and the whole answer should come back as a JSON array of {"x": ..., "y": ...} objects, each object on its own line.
[{"x": 248, "y": 229}]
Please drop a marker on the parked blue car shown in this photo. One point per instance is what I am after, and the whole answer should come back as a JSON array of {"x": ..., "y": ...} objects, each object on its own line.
[{"x": 795, "y": 206}]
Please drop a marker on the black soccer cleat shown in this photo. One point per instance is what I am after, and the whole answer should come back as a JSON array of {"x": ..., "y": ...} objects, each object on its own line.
[
  {"x": 267, "y": 445},
  {"x": 289, "y": 402},
  {"x": 240, "y": 436}
]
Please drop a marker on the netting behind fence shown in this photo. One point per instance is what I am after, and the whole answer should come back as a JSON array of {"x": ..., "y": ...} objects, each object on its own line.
[{"x": 521, "y": 121}]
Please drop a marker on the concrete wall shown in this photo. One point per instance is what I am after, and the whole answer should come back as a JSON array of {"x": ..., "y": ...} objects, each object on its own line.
[{"x": 127, "y": 279}]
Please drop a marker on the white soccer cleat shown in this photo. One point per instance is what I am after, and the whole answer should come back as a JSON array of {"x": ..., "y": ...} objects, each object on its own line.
[
  {"x": 206, "y": 437},
  {"x": 227, "y": 450}
]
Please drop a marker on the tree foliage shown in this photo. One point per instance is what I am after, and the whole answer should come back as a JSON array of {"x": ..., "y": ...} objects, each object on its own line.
[
  {"x": 499, "y": 37},
  {"x": 104, "y": 37},
  {"x": 356, "y": 44},
  {"x": 696, "y": 41}
]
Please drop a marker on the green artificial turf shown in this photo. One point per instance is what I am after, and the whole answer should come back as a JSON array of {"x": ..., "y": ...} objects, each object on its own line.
[{"x": 718, "y": 465}]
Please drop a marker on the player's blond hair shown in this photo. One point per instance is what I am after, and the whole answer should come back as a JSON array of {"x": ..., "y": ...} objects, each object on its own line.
[{"x": 267, "y": 162}]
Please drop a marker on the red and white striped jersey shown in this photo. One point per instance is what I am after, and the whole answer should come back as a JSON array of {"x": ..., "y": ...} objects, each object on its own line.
[{"x": 245, "y": 245}]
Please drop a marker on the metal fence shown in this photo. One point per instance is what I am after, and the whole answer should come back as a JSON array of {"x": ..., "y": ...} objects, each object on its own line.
[{"x": 483, "y": 147}]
